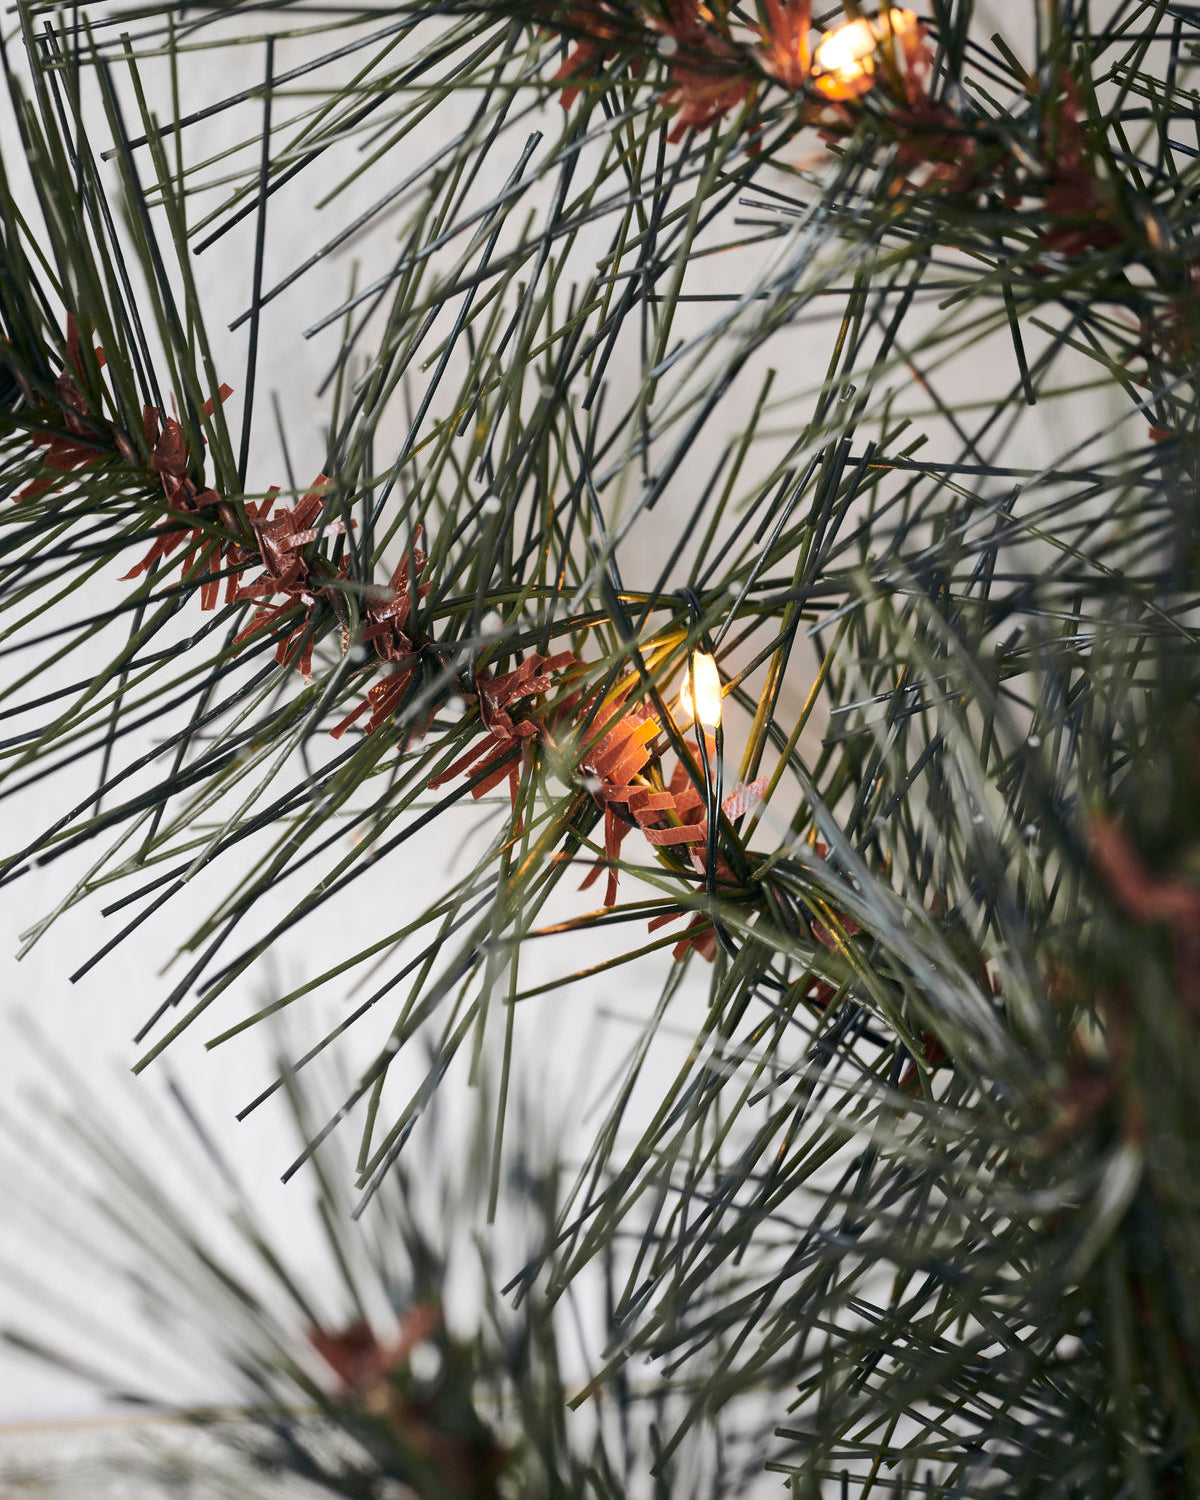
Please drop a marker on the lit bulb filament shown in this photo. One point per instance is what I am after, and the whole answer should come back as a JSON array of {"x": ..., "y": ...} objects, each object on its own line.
[
  {"x": 843, "y": 50},
  {"x": 844, "y": 60},
  {"x": 700, "y": 691}
]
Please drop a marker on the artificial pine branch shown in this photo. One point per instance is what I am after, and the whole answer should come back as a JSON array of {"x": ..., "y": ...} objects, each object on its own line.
[{"x": 911, "y": 1153}]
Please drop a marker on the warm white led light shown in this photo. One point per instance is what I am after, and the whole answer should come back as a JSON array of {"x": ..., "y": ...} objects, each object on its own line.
[
  {"x": 842, "y": 51},
  {"x": 700, "y": 692},
  {"x": 845, "y": 58}
]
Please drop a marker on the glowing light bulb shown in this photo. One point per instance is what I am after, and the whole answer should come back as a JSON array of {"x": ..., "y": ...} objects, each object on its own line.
[
  {"x": 702, "y": 677},
  {"x": 845, "y": 46},
  {"x": 844, "y": 61}
]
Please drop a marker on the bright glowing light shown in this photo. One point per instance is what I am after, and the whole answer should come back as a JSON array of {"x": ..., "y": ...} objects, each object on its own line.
[
  {"x": 705, "y": 707},
  {"x": 843, "y": 50},
  {"x": 844, "y": 61}
]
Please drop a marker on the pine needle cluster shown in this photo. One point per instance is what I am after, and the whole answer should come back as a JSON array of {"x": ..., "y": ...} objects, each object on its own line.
[{"x": 868, "y": 374}]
